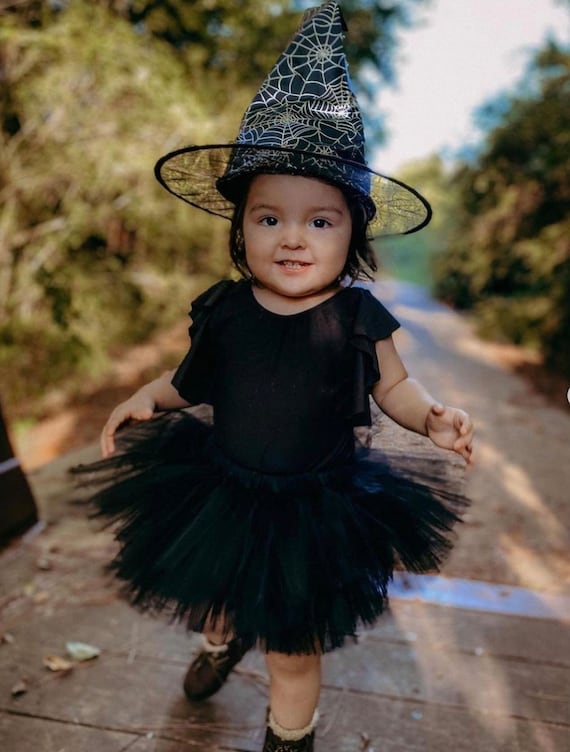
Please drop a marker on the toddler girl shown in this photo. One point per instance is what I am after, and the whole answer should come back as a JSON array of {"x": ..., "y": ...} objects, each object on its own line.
[{"x": 270, "y": 527}]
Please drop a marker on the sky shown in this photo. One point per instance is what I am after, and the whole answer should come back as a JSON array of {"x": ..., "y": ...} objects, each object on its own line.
[{"x": 465, "y": 52}]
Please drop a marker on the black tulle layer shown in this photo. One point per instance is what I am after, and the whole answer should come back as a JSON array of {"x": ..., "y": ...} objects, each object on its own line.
[{"x": 295, "y": 562}]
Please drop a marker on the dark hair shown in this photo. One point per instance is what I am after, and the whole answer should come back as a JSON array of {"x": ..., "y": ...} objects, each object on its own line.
[{"x": 360, "y": 261}]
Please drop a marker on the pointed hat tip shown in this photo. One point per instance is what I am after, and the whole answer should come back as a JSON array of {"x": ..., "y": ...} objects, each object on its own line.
[{"x": 310, "y": 13}]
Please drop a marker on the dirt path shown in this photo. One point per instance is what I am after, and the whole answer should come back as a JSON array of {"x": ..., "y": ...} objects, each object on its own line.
[{"x": 518, "y": 529}]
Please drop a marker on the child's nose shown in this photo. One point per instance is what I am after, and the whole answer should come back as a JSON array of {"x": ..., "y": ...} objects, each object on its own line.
[{"x": 292, "y": 237}]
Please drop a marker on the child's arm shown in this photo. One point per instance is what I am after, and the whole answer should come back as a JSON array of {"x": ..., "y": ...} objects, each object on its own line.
[
  {"x": 157, "y": 394},
  {"x": 409, "y": 404}
]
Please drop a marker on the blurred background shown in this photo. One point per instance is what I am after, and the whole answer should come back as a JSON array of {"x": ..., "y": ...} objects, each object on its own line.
[{"x": 467, "y": 101}]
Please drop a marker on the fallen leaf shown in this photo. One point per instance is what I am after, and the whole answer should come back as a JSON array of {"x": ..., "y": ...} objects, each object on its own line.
[
  {"x": 6, "y": 638},
  {"x": 19, "y": 689},
  {"x": 57, "y": 663},
  {"x": 81, "y": 651},
  {"x": 43, "y": 563}
]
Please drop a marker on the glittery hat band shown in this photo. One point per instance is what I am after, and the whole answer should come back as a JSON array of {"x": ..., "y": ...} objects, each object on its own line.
[{"x": 245, "y": 162}]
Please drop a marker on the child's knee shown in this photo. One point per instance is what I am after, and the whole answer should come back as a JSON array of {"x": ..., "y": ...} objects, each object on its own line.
[{"x": 282, "y": 664}]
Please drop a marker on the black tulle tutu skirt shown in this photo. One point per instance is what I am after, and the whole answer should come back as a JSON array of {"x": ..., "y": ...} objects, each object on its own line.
[{"x": 297, "y": 563}]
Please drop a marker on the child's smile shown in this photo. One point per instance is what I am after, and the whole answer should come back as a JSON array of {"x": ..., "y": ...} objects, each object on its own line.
[
  {"x": 297, "y": 233},
  {"x": 293, "y": 265}
]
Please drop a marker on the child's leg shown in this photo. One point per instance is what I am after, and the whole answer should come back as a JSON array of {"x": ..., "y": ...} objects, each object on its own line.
[
  {"x": 214, "y": 631},
  {"x": 295, "y": 683},
  {"x": 219, "y": 654},
  {"x": 216, "y": 637}
]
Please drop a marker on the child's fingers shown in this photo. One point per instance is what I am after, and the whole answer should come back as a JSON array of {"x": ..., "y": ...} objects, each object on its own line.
[
  {"x": 464, "y": 447},
  {"x": 115, "y": 422},
  {"x": 107, "y": 446},
  {"x": 465, "y": 435},
  {"x": 461, "y": 444},
  {"x": 107, "y": 439},
  {"x": 462, "y": 422},
  {"x": 103, "y": 444},
  {"x": 108, "y": 434}
]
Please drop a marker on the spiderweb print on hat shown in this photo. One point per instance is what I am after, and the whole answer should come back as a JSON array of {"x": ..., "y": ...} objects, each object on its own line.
[
  {"x": 306, "y": 101},
  {"x": 304, "y": 120}
]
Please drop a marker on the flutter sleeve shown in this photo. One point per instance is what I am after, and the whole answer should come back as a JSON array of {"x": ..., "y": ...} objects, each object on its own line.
[
  {"x": 193, "y": 377},
  {"x": 372, "y": 322}
]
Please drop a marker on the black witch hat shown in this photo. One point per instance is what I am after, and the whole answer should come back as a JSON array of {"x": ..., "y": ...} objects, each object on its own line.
[{"x": 304, "y": 120}]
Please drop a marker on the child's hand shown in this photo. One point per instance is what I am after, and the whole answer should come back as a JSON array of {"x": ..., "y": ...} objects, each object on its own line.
[
  {"x": 138, "y": 407},
  {"x": 451, "y": 428}
]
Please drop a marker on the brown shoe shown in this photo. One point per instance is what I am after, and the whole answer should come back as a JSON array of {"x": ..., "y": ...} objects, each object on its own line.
[
  {"x": 208, "y": 671},
  {"x": 274, "y": 743}
]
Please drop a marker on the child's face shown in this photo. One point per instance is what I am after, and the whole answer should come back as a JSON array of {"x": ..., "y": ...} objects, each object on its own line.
[{"x": 297, "y": 233}]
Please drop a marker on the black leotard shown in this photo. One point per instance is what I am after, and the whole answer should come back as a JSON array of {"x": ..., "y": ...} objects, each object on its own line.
[{"x": 286, "y": 390}]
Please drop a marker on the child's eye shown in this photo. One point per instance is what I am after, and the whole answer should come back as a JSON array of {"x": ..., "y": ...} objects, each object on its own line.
[
  {"x": 268, "y": 221},
  {"x": 320, "y": 223}
]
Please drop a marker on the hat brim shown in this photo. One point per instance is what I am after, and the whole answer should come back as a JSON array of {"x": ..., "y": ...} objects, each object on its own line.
[{"x": 194, "y": 174}]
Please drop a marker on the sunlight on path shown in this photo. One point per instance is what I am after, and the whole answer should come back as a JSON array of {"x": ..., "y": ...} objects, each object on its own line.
[{"x": 517, "y": 531}]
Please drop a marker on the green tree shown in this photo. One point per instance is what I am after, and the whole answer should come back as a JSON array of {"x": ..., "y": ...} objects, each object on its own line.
[
  {"x": 510, "y": 256},
  {"x": 246, "y": 36},
  {"x": 412, "y": 257},
  {"x": 92, "y": 251}
]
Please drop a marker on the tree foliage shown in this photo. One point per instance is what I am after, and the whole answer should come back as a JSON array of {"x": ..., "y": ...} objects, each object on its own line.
[
  {"x": 411, "y": 257},
  {"x": 245, "y": 37},
  {"x": 92, "y": 251},
  {"x": 509, "y": 258}
]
